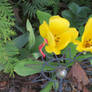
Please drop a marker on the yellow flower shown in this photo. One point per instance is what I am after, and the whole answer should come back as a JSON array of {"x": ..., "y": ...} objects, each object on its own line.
[
  {"x": 86, "y": 41},
  {"x": 57, "y": 33}
]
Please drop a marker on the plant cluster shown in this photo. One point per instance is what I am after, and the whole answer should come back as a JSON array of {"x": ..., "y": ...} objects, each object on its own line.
[{"x": 62, "y": 40}]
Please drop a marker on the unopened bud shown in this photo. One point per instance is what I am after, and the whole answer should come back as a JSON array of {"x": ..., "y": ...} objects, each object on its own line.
[{"x": 61, "y": 73}]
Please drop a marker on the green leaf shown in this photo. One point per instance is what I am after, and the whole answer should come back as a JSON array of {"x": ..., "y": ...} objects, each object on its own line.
[
  {"x": 21, "y": 40},
  {"x": 28, "y": 67},
  {"x": 39, "y": 40},
  {"x": 8, "y": 50},
  {"x": 81, "y": 30},
  {"x": 84, "y": 56},
  {"x": 70, "y": 51},
  {"x": 36, "y": 55},
  {"x": 11, "y": 49},
  {"x": 1, "y": 67},
  {"x": 20, "y": 28},
  {"x": 83, "y": 11},
  {"x": 67, "y": 14},
  {"x": 91, "y": 61},
  {"x": 76, "y": 14},
  {"x": 7, "y": 21},
  {"x": 48, "y": 87},
  {"x": 31, "y": 35},
  {"x": 74, "y": 8},
  {"x": 43, "y": 16}
]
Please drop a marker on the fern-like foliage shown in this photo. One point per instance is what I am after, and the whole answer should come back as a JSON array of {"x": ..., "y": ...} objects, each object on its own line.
[
  {"x": 8, "y": 57},
  {"x": 6, "y": 20},
  {"x": 30, "y": 7}
]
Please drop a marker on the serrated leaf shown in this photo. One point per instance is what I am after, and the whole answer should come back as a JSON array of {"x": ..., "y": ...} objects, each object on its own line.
[
  {"x": 21, "y": 40},
  {"x": 31, "y": 35},
  {"x": 48, "y": 87},
  {"x": 43, "y": 16}
]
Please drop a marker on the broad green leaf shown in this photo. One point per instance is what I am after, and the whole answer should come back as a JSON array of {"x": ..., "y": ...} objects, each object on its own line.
[
  {"x": 39, "y": 40},
  {"x": 48, "y": 87},
  {"x": 31, "y": 35},
  {"x": 28, "y": 67},
  {"x": 43, "y": 16},
  {"x": 77, "y": 15},
  {"x": 21, "y": 40},
  {"x": 67, "y": 14},
  {"x": 74, "y": 8},
  {"x": 83, "y": 11},
  {"x": 20, "y": 28}
]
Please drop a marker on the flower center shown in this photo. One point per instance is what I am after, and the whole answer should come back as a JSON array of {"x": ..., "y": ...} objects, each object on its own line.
[
  {"x": 57, "y": 38},
  {"x": 88, "y": 43}
]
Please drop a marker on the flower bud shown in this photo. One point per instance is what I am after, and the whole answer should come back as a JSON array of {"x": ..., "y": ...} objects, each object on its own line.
[{"x": 61, "y": 73}]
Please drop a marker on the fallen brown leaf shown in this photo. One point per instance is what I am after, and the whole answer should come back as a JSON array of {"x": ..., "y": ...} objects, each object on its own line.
[{"x": 78, "y": 76}]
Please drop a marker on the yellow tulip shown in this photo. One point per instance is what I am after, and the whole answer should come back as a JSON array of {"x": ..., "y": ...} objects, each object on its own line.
[
  {"x": 57, "y": 33},
  {"x": 86, "y": 41}
]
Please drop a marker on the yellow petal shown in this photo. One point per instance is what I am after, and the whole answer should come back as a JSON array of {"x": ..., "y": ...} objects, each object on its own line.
[
  {"x": 51, "y": 49},
  {"x": 44, "y": 29},
  {"x": 67, "y": 37},
  {"x": 76, "y": 42},
  {"x": 87, "y": 31},
  {"x": 88, "y": 49},
  {"x": 48, "y": 49},
  {"x": 46, "y": 33},
  {"x": 57, "y": 52},
  {"x": 50, "y": 39},
  {"x": 80, "y": 47},
  {"x": 74, "y": 33},
  {"x": 58, "y": 25}
]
